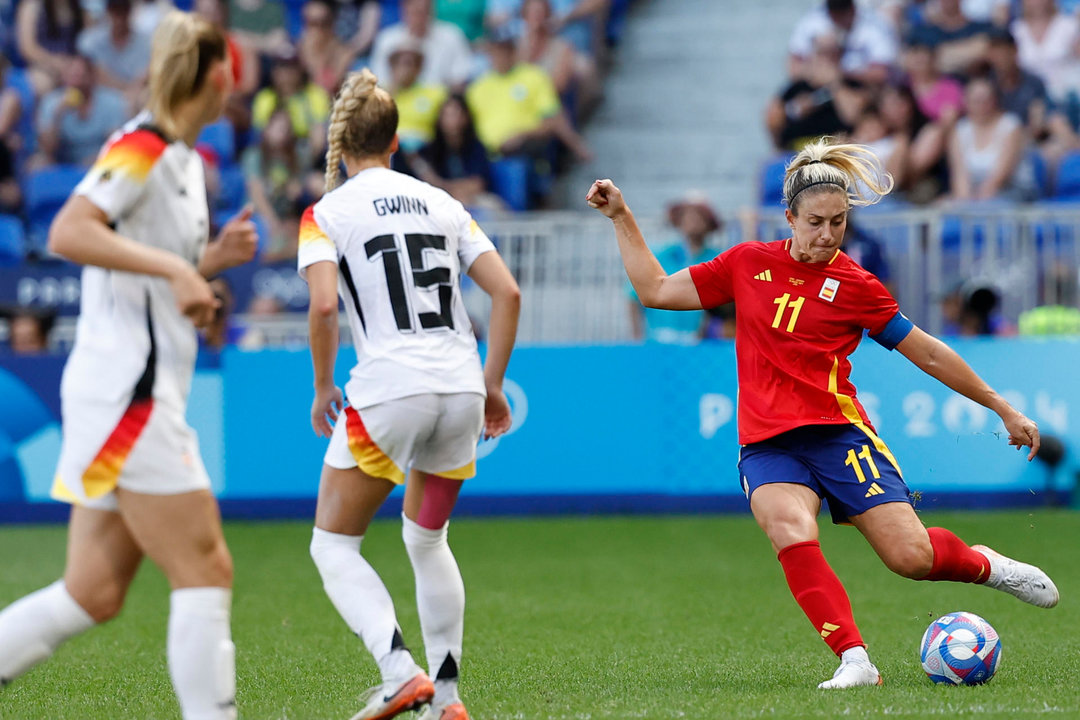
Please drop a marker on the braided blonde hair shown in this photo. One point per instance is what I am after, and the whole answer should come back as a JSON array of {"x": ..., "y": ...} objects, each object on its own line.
[
  {"x": 362, "y": 123},
  {"x": 184, "y": 46},
  {"x": 823, "y": 166}
]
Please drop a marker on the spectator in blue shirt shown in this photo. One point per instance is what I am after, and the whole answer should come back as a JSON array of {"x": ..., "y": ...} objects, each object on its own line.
[
  {"x": 75, "y": 120},
  {"x": 695, "y": 220}
]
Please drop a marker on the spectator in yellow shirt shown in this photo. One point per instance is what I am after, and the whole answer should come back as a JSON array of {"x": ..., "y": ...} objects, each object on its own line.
[
  {"x": 516, "y": 107},
  {"x": 307, "y": 104},
  {"x": 418, "y": 103}
]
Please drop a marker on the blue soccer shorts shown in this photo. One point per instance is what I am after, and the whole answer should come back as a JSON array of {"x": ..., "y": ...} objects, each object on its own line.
[{"x": 848, "y": 466}]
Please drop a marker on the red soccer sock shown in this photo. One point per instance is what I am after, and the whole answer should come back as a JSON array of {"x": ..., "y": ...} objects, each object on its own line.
[
  {"x": 820, "y": 594},
  {"x": 954, "y": 560}
]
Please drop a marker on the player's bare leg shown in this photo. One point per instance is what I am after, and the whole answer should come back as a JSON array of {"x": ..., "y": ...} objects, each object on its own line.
[
  {"x": 911, "y": 550},
  {"x": 348, "y": 500},
  {"x": 440, "y": 592},
  {"x": 787, "y": 512},
  {"x": 102, "y": 559},
  {"x": 182, "y": 535}
]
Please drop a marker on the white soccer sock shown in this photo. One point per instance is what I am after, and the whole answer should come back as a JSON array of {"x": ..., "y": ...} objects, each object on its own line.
[
  {"x": 362, "y": 600},
  {"x": 32, "y": 628},
  {"x": 440, "y": 602},
  {"x": 202, "y": 658}
]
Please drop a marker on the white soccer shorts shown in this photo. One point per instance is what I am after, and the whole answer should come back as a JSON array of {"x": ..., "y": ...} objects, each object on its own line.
[
  {"x": 147, "y": 447},
  {"x": 434, "y": 433}
]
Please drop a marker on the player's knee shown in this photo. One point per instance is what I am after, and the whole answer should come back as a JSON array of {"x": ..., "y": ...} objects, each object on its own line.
[
  {"x": 220, "y": 566},
  {"x": 911, "y": 561},
  {"x": 102, "y": 602},
  {"x": 785, "y": 529}
]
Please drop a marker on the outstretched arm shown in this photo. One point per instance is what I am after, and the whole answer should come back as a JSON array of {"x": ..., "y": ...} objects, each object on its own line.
[
  {"x": 654, "y": 287},
  {"x": 942, "y": 363}
]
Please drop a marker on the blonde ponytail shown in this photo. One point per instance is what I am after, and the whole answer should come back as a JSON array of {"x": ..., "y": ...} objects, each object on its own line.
[
  {"x": 183, "y": 47},
  {"x": 362, "y": 123},
  {"x": 855, "y": 169}
]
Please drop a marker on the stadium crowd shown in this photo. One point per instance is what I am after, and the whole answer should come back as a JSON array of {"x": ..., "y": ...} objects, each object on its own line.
[
  {"x": 962, "y": 99},
  {"x": 490, "y": 94}
]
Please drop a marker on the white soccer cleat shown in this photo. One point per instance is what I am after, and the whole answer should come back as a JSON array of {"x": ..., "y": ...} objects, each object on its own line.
[
  {"x": 853, "y": 673},
  {"x": 453, "y": 711},
  {"x": 1021, "y": 580},
  {"x": 391, "y": 699}
]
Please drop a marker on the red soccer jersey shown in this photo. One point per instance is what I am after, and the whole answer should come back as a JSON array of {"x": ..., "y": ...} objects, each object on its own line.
[{"x": 795, "y": 326}]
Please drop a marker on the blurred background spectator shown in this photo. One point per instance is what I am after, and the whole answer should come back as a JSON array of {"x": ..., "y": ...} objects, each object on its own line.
[
  {"x": 307, "y": 104},
  {"x": 577, "y": 21},
  {"x": 119, "y": 51},
  {"x": 274, "y": 171},
  {"x": 695, "y": 221},
  {"x": 74, "y": 120},
  {"x": 28, "y": 330},
  {"x": 987, "y": 150},
  {"x": 1047, "y": 41},
  {"x": 960, "y": 41},
  {"x": 921, "y": 172},
  {"x": 455, "y": 160},
  {"x": 448, "y": 57},
  {"x": 418, "y": 102},
  {"x": 46, "y": 35},
  {"x": 868, "y": 48},
  {"x": 940, "y": 97},
  {"x": 324, "y": 56}
]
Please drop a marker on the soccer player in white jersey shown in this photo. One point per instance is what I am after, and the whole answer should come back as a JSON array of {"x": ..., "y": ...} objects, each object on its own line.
[
  {"x": 394, "y": 248},
  {"x": 129, "y": 464}
]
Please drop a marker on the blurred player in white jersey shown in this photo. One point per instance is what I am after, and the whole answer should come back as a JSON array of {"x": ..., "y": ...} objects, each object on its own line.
[
  {"x": 129, "y": 464},
  {"x": 394, "y": 248}
]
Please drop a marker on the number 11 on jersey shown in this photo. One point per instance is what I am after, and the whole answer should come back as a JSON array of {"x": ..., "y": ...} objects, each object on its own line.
[{"x": 783, "y": 303}]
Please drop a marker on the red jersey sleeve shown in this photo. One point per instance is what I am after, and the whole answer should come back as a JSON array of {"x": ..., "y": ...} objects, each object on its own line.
[
  {"x": 713, "y": 279},
  {"x": 879, "y": 306}
]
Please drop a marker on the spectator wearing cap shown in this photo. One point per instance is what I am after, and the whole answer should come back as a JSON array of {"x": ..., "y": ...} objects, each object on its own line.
[
  {"x": 307, "y": 104},
  {"x": 447, "y": 56},
  {"x": 821, "y": 102},
  {"x": 75, "y": 120},
  {"x": 120, "y": 52},
  {"x": 961, "y": 42},
  {"x": 324, "y": 56},
  {"x": 1024, "y": 94},
  {"x": 986, "y": 151},
  {"x": 940, "y": 97},
  {"x": 695, "y": 221},
  {"x": 418, "y": 102},
  {"x": 1047, "y": 43},
  {"x": 515, "y": 105},
  {"x": 868, "y": 41}
]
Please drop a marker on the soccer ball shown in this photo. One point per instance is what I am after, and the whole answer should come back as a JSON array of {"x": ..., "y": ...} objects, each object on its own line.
[{"x": 960, "y": 649}]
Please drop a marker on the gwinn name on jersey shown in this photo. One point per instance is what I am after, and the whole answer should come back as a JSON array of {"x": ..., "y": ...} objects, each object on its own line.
[{"x": 401, "y": 246}]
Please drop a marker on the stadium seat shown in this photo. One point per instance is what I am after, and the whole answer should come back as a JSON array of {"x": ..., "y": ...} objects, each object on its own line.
[
  {"x": 220, "y": 137},
  {"x": 510, "y": 177},
  {"x": 771, "y": 183},
  {"x": 1068, "y": 178},
  {"x": 12, "y": 240},
  {"x": 46, "y": 191},
  {"x": 391, "y": 12}
]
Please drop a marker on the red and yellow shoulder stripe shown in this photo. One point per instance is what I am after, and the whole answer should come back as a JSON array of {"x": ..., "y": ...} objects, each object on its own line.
[
  {"x": 132, "y": 154},
  {"x": 310, "y": 232}
]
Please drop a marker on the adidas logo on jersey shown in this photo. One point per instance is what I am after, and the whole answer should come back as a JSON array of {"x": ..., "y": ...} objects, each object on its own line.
[
  {"x": 766, "y": 276},
  {"x": 875, "y": 489}
]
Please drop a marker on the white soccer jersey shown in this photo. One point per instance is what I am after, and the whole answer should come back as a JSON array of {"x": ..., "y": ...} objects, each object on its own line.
[
  {"x": 131, "y": 337},
  {"x": 400, "y": 246}
]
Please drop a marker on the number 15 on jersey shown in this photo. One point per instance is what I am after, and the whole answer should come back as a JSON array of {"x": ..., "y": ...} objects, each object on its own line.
[{"x": 403, "y": 285}]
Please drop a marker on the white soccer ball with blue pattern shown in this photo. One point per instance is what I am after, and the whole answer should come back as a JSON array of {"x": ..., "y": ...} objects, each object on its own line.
[{"x": 960, "y": 649}]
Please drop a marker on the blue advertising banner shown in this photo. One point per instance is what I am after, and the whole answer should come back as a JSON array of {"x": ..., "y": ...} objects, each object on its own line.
[{"x": 620, "y": 428}]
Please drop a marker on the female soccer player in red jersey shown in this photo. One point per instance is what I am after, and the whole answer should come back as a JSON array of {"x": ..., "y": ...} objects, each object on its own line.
[
  {"x": 129, "y": 464},
  {"x": 801, "y": 306}
]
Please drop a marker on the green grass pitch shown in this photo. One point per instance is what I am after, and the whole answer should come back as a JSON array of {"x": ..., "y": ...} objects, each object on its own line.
[{"x": 581, "y": 618}]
